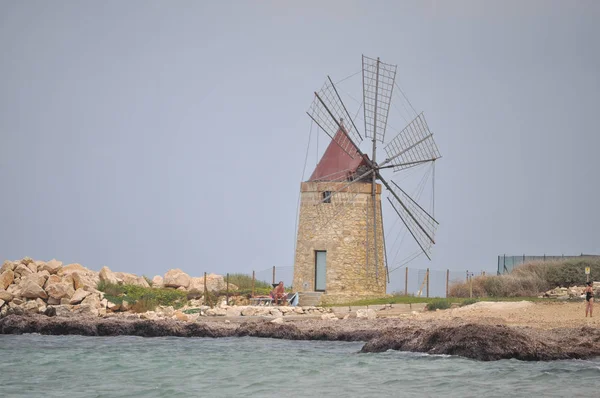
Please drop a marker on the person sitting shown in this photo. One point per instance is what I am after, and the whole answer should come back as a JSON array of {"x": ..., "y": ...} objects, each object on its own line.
[{"x": 279, "y": 294}]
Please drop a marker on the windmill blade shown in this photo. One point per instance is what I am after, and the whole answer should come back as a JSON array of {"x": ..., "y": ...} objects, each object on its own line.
[
  {"x": 330, "y": 114},
  {"x": 418, "y": 221},
  {"x": 412, "y": 146},
  {"x": 378, "y": 85}
]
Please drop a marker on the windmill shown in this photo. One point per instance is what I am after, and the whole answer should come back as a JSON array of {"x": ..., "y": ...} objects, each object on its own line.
[{"x": 340, "y": 248}]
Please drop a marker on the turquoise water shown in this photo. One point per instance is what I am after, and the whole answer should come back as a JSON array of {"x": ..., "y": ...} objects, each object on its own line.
[{"x": 75, "y": 366}]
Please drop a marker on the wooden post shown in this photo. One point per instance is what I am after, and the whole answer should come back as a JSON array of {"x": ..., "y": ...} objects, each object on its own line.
[
  {"x": 470, "y": 286},
  {"x": 227, "y": 299},
  {"x": 273, "y": 274},
  {"x": 406, "y": 282},
  {"x": 206, "y": 300},
  {"x": 427, "y": 276},
  {"x": 447, "y": 281},
  {"x": 253, "y": 278}
]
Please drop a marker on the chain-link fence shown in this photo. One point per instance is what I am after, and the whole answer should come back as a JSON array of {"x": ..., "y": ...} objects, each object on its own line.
[
  {"x": 507, "y": 263},
  {"x": 426, "y": 282},
  {"x": 420, "y": 282}
]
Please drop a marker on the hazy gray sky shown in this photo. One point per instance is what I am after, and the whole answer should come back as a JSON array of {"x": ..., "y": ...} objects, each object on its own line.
[{"x": 148, "y": 135}]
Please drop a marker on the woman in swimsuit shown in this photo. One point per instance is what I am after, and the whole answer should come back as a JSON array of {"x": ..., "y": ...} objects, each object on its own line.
[{"x": 589, "y": 298}]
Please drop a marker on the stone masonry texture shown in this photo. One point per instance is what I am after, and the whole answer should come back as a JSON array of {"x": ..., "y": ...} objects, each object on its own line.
[{"x": 343, "y": 228}]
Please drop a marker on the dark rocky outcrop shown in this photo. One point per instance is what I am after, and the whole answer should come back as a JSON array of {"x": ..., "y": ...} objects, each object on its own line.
[
  {"x": 472, "y": 340},
  {"x": 90, "y": 326},
  {"x": 489, "y": 342}
]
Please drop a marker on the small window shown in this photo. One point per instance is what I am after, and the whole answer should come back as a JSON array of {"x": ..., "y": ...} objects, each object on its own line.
[{"x": 326, "y": 196}]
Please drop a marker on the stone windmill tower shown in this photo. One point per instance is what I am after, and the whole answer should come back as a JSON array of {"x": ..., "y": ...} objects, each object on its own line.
[{"x": 340, "y": 250}]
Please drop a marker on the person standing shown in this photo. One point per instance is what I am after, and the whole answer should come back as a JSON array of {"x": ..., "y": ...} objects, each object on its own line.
[{"x": 589, "y": 299}]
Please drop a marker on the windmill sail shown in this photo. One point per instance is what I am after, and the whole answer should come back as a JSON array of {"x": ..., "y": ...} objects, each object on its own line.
[
  {"x": 329, "y": 113},
  {"x": 412, "y": 146},
  {"x": 378, "y": 85},
  {"x": 419, "y": 222}
]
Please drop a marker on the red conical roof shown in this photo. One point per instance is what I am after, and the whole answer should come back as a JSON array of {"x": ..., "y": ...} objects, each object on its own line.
[{"x": 336, "y": 164}]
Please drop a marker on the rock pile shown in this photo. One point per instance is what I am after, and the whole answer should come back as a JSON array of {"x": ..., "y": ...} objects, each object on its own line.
[
  {"x": 30, "y": 287},
  {"x": 196, "y": 310},
  {"x": 570, "y": 293}
]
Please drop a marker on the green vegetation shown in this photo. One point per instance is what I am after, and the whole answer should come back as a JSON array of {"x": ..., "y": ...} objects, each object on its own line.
[
  {"x": 142, "y": 299},
  {"x": 530, "y": 279},
  {"x": 244, "y": 282},
  {"x": 468, "y": 301},
  {"x": 192, "y": 311},
  {"x": 441, "y": 304}
]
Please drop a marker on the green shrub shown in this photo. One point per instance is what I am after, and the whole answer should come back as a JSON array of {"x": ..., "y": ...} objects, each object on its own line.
[
  {"x": 441, "y": 304},
  {"x": 243, "y": 282},
  {"x": 468, "y": 302},
  {"x": 141, "y": 298},
  {"x": 530, "y": 279}
]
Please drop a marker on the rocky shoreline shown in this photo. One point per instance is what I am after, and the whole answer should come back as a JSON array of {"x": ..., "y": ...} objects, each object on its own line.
[
  {"x": 51, "y": 299},
  {"x": 482, "y": 342}
]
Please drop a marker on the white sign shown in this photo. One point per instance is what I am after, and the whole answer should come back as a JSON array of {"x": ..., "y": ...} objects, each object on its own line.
[{"x": 587, "y": 270}]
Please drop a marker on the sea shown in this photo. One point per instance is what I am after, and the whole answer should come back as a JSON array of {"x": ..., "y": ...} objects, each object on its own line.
[{"x": 126, "y": 366}]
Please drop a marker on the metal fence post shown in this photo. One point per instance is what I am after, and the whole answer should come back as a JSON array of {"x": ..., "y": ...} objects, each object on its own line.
[
  {"x": 273, "y": 274},
  {"x": 227, "y": 297},
  {"x": 447, "y": 281},
  {"x": 427, "y": 275},
  {"x": 253, "y": 278},
  {"x": 406, "y": 282}
]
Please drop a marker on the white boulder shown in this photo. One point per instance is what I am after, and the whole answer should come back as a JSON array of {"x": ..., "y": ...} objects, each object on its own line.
[{"x": 176, "y": 278}]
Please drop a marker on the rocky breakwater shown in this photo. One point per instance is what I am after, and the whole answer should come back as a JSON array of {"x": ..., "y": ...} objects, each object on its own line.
[
  {"x": 32, "y": 287},
  {"x": 29, "y": 287}
]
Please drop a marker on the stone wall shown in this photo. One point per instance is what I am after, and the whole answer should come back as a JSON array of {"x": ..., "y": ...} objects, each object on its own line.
[{"x": 342, "y": 228}]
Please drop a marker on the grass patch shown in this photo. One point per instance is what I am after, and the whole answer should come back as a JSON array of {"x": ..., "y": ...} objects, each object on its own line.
[
  {"x": 192, "y": 311},
  {"x": 438, "y": 304},
  {"x": 142, "y": 299},
  {"x": 468, "y": 301}
]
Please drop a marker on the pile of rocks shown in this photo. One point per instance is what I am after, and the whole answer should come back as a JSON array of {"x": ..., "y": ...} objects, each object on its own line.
[
  {"x": 47, "y": 287},
  {"x": 178, "y": 279},
  {"x": 28, "y": 286},
  {"x": 570, "y": 293},
  {"x": 195, "y": 311}
]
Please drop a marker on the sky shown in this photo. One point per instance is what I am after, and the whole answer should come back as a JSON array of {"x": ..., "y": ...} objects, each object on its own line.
[{"x": 149, "y": 135}]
